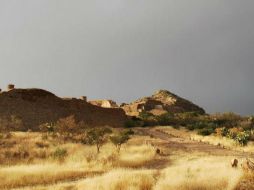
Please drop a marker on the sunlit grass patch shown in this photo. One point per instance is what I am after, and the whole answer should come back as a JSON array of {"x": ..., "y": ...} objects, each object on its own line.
[{"x": 136, "y": 156}]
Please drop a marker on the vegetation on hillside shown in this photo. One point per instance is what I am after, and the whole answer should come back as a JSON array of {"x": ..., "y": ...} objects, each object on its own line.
[
  {"x": 230, "y": 125},
  {"x": 68, "y": 150}
]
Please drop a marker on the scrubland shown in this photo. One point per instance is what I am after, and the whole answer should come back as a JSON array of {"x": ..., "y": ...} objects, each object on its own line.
[{"x": 39, "y": 161}]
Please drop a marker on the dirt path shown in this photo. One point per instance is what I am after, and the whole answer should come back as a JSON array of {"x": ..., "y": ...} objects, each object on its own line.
[{"x": 184, "y": 143}]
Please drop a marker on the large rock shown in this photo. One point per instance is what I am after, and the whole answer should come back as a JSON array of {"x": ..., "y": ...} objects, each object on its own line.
[
  {"x": 37, "y": 106},
  {"x": 161, "y": 102}
]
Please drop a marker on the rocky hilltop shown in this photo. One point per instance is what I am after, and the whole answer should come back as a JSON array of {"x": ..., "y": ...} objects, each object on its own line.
[
  {"x": 161, "y": 102},
  {"x": 36, "y": 106}
]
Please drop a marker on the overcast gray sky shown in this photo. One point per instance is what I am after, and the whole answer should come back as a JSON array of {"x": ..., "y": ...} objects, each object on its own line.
[{"x": 202, "y": 50}]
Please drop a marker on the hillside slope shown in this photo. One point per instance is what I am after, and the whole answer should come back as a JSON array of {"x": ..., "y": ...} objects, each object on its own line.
[
  {"x": 161, "y": 102},
  {"x": 37, "y": 106}
]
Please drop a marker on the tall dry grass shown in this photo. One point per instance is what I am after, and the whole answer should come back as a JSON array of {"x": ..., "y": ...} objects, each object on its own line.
[
  {"x": 109, "y": 170},
  {"x": 136, "y": 156},
  {"x": 29, "y": 175},
  {"x": 223, "y": 141},
  {"x": 120, "y": 179},
  {"x": 200, "y": 174},
  {"x": 80, "y": 161}
]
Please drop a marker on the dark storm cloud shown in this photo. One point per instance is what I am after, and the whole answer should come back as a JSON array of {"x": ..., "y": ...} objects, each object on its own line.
[{"x": 125, "y": 49}]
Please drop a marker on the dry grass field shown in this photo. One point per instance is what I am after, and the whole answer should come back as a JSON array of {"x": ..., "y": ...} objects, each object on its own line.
[{"x": 158, "y": 158}]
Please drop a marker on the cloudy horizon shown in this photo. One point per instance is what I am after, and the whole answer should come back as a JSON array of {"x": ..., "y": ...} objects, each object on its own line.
[{"x": 123, "y": 50}]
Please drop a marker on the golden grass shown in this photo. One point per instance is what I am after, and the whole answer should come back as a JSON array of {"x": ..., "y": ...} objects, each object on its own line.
[
  {"x": 223, "y": 141},
  {"x": 120, "y": 179},
  {"x": 28, "y": 175},
  {"x": 246, "y": 182},
  {"x": 136, "y": 156},
  {"x": 188, "y": 173},
  {"x": 109, "y": 170},
  {"x": 202, "y": 173},
  {"x": 215, "y": 140},
  {"x": 81, "y": 161},
  {"x": 117, "y": 179}
]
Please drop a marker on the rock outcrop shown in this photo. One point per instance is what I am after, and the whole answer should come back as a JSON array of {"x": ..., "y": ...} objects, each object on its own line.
[
  {"x": 104, "y": 103},
  {"x": 161, "y": 102},
  {"x": 37, "y": 106}
]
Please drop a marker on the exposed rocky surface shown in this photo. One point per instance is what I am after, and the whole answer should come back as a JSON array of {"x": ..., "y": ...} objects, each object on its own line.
[
  {"x": 37, "y": 106},
  {"x": 161, "y": 102},
  {"x": 104, "y": 103}
]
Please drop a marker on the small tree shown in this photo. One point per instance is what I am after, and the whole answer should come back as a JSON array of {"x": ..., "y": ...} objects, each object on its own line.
[
  {"x": 120, "y": 139},
  {"x": 98, "y": 136}
]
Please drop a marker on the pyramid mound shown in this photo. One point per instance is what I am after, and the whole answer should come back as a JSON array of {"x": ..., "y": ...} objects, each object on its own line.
[
  {"x": 162, "y": 101},
  {"x": 36, "y": 106}
]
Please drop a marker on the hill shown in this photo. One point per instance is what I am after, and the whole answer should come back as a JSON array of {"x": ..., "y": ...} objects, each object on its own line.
[
  {"x": 161, "y": 102},
  {"x": 36, "y": 106}
]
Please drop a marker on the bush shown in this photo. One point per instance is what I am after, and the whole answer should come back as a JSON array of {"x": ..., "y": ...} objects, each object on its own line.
[
  {"x": 133, "y": 122},
  {"x": 148, "y": 119},
  {"x": 202, "y": 125},
  {"x": 199, "y": 125},
  {"x": 242, "y": 138},
  {"x": 222, "y": 131},
  {"x": 119, "y": 139},
  {"x": 186, "y": 118},
  {"x": 206, "y": 131},
  {"x": 226, "y": 119},
  {"x": 98, "y": 137},
  {"x": 232, "y": 133},
  {"x": 59, "y": 154},
  {"x": 190, "y": 127},
  {"x": 145, "y": 115},
  {"x": 165, "y": 119}
]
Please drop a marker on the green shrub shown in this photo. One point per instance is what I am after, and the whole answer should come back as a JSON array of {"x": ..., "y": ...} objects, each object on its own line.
[
  {"x": 186, "y": 118},
  {"x": 190, "y": 127},
  {"x": 119, "y": 139},
  {"x": 165, "y": 119},
  {"x": 226, "y": 119},
  {"x": 242, "y": 138},
  {"x": 206, "y": 131},
  {"x": 145, "y": 115},
  {"x": 232, "y": 132},
  {"x": 203, "y": 124},
  {"x": 198, "y": 125},
  {"x": 134, "y": 122},
  {"x": 148, "y": 119}
]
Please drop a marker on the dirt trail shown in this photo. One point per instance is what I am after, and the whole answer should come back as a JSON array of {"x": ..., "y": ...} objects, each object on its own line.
[{"x": 184, "y": 143}]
